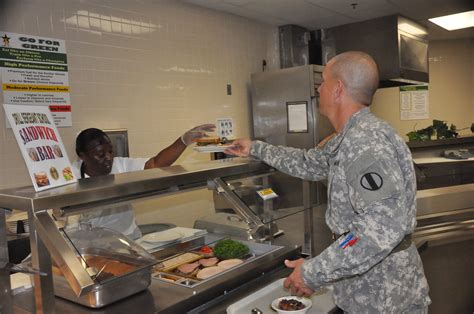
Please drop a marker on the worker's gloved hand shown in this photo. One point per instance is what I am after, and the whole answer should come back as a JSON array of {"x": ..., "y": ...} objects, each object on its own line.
[{"x": 197, "y": 132}]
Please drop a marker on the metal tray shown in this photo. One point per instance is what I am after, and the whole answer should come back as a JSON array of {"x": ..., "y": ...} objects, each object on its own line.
[
  {"x": 109, "y": 290},
  {"x": 257, "y": 251}
]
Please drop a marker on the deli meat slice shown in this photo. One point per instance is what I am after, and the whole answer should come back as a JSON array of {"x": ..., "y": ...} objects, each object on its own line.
[
  {"x": 209, "y": 272},
  {"x": 188, "y": 268},
  {"x": 229, "y": 263},
  {"x": 207, "y": 262}
]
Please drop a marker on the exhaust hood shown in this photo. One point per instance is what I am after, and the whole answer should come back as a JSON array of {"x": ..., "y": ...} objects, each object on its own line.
[{"x": 398, "y": 45}]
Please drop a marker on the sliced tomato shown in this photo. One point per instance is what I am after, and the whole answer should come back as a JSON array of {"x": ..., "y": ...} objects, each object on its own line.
[{"x": 206, "y": 249}]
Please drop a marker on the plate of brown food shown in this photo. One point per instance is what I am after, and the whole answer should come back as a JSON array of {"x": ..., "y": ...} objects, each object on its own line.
[
  {"x": 212, "y": 144},
  {"x": 291, "y": 304}
]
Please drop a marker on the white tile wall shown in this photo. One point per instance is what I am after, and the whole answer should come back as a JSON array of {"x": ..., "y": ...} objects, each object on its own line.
[{"x": 154, "y": 67}]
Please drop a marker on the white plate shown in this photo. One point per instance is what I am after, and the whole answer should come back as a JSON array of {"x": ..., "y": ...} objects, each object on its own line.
[
  {"x": 307, "y": 305},
  {"x": 211, "y": 148},
  {"x": 163, "y": 236}
]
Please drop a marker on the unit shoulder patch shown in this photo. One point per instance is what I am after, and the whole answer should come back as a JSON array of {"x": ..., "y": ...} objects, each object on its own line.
[{"x": 369, "y": 177}]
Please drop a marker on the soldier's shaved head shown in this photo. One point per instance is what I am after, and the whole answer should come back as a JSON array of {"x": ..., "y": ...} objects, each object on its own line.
[{"x": 359, "y": 74}]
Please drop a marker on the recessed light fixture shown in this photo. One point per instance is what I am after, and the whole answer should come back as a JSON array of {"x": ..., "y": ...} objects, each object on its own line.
[{"x": 455, "y": 21}]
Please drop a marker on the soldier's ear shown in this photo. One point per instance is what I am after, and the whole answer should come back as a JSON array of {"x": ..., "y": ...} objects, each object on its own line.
[{"x": 339, "y": 89}]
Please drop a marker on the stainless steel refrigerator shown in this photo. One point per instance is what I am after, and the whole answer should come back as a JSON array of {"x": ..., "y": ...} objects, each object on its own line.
[
  {"x": 281, "y": 99},
  {"x": 285, "y": 112}
]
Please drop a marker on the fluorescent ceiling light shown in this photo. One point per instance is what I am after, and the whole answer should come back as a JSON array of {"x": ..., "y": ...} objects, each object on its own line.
[{"x": 455, "y": 21}]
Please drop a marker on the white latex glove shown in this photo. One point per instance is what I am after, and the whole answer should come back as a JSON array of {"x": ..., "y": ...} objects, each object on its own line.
[{"x": 197, "y": 132}]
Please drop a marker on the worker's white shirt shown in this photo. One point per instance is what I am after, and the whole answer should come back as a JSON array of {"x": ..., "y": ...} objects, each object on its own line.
[{"x": 119, "y": 218}]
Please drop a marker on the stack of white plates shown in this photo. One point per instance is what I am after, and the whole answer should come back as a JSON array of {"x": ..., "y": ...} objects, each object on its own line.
[{"x": 15, "y": 218}]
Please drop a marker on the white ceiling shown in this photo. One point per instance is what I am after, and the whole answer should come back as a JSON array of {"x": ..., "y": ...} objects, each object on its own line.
[{"x": 317, "y": 14}]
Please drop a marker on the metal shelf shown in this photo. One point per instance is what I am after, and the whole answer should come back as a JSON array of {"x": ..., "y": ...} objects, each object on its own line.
[{"x": 126, "y": 187}]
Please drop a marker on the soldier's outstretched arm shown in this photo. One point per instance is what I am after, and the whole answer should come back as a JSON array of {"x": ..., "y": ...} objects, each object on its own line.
[{"x": 311, "y": 164}]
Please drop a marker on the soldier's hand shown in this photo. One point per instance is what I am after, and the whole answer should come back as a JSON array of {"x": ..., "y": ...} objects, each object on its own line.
[
  {"x": 240, "y": 147},
  {"x": 294, "y": 281},
  {"x": 197, "y": 132}
]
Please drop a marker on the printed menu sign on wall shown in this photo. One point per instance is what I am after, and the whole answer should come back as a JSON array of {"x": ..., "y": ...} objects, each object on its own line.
[
  {"x": 414, "y": 103},
  {"x": 34, "y": 72},
  {"x": 40, "y": 145}
]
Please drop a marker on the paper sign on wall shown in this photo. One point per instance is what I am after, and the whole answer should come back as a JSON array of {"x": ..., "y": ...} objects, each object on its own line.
[
  {"x": 40, "y": 145},
  {"x": 225, "y": 127},
  {"x": 414, "y": 102},
  {"x": 34, "y": 71}
]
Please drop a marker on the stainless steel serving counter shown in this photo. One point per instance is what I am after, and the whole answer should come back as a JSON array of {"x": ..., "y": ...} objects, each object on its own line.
[
  {"x": 96, "y": 192},
  {"x": 444, "y": 214},
  {"x": 163, "y": 297}
]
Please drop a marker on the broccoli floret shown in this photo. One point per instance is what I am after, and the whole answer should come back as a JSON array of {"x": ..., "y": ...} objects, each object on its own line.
[{"x": 227, "y": 249}]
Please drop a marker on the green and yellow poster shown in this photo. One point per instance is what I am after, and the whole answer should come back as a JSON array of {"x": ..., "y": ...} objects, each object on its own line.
[{"x": 34, "y": 72}]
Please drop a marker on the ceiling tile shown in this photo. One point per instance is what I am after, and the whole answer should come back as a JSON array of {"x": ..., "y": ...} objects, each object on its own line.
[
  {"x": 317, "y": 14},
  {"x": 326, "y": 22},
  {"x": 284, "y": 9},
  {"x": 363, "y": 9},
  {"x": 239, "y": 10}
]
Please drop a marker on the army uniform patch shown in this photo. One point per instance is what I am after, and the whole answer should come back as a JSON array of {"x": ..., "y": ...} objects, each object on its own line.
[
  {"x": 368, "y": 177},
  {"x": 349, "y": 240},
  {"x": 371, "y": 181}
]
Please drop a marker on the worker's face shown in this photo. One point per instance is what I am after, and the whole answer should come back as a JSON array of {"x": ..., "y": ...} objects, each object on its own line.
[
  {"x": 98, "y": 156},
  {"x": 326, "y": 91}
]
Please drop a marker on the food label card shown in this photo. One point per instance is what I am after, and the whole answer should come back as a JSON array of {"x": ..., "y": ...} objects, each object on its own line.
[
  {"x": 40, "y": 145},
  {"x": 267, "y": 194}
]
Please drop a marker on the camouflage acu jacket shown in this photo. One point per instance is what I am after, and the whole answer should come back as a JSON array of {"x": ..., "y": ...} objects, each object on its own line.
[{"x": 371, "y": 204}]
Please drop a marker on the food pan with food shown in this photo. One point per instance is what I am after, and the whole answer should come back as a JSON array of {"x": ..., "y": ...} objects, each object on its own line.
[
  {"x": 208, "y": 261},
  {"x": 118, "y": 267}
]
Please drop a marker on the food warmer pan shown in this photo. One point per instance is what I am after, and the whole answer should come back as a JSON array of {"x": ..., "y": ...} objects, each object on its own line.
[{"x": 116, "y": 265}]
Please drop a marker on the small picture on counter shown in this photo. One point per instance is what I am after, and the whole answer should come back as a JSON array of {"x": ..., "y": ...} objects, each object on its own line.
[
  {"x": 41, "y": 178},
  {"x": 54, "y": 173},
  {"x": 33, "y": 154},
  {"x": 57, "y": 151},
  {"x": 67, "y": 174}
]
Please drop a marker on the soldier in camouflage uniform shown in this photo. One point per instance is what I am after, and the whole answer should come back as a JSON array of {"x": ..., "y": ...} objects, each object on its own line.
[{"x": 372, "y": 264}]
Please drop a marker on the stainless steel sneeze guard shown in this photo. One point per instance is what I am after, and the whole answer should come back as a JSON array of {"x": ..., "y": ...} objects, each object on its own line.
[
  {"x": 126, "y": 187},
  {"x": 65, "y": 258}
]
